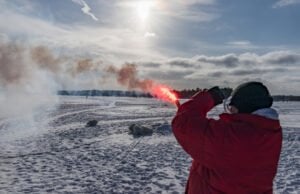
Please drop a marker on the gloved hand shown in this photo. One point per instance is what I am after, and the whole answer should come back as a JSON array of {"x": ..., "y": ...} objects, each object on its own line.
[{"x": 216, "y": 94}]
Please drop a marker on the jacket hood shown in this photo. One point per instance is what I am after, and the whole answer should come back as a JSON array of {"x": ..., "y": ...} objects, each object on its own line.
[
  {"x": 266, "y": 118},
  {"x": 268, "y": 113}
]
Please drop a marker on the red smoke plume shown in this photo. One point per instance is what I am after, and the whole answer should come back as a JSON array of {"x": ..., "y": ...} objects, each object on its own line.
[
  {"x": 45, "y": 58},
  {"x": 127, "y": 76},
  {"x": 13, "y": 67}
]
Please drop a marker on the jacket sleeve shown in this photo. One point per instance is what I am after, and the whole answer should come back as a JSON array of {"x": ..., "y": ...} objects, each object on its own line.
[{"x": 199, "y": 136}]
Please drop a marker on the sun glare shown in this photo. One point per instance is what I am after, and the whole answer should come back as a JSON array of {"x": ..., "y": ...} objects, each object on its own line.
[{"x": 143, "y": 9}]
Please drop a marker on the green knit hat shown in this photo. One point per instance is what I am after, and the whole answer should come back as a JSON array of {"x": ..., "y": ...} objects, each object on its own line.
[{"x": 251, "y": 96}]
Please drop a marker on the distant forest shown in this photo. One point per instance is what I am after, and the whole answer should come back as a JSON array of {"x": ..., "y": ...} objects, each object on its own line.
[{"x": 182, "y": 94}]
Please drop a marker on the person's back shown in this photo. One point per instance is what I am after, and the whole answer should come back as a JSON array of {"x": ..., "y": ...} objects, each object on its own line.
[{"x": 238, "y": 153}]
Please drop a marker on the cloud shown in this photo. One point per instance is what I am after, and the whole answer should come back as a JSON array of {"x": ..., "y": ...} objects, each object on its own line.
[
  {"x": 284, "y": 3},
  {"x": 117, "y": 44},
  {"x": 217, "y": 74},
  {"x": 85, "y": 9},
  {"x": 169, "y": 75},
  {"x": 150, "y": 64},
  {"x": 149, "y": 34},
  {"x": 25, "y": 25},
  {"x": 111, "y": 44},
  {"x": 229, "y": 64},
  {"x": 274, "y": 68},
  {"x": 244, "y": 72},
  {"x": 21, "y": 64},
  {"x": 186, "y": 10},
  {"x": 228, "y": 60},
  {"x": 192, "y": 2},
  {"x": 183, "y": 63},
  {"x": 246, "y": 59},
  {"x": 176, "y": 63},
  {"x": 179, "y": 9},
  {"x": 189, "y": 14},
  {"x": 241, "y": 44},
  {"x": 281, "y": 58}
]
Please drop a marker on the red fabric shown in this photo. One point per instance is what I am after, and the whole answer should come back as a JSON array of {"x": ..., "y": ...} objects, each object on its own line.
[{"x": 236, "y": 154}]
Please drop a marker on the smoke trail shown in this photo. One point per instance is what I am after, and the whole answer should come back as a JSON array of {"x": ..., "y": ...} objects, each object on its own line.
[
  {"x": 25, "y": 82},
  {"x": 27, "y": 89},
  {"x": 84, "y": 65},
  {"x": 44, "y": 58},
  {"x": 19, "y": 62},
  {"x": 29, "y": 80},
  {"x": 127, "y": 76},
  {"x": 13, "y": 68}
]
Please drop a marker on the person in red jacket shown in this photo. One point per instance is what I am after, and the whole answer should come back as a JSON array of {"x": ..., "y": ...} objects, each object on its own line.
[{"x": 236, "y": 154}]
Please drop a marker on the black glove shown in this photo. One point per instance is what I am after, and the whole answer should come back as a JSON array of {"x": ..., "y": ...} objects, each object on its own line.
[{"x": 216, "y": 94}]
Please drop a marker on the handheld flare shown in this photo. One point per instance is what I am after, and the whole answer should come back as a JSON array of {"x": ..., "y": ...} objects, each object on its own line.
[
  {"x": 177, "y": 103},
  {"x": 165, "y": 93}
]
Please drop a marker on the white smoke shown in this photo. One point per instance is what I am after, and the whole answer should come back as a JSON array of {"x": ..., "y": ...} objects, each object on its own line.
[
  {"x": 30, "y": 76},
  {"x": 27, "y": 89}
]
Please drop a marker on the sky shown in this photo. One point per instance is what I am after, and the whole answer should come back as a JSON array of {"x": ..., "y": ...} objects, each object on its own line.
[{"x": 181, "y": 43}]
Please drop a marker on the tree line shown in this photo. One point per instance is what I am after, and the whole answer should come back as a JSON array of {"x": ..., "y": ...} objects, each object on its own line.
[
  {"x": 182, "y": 94},
  {"x": 188, "y": 93}
]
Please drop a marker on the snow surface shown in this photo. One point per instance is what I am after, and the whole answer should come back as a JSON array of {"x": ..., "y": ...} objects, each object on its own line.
[{"x": 52, "y": 151}]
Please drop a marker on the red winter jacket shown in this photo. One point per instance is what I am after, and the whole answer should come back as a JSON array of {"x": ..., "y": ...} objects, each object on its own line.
[{"x": 236, "y": 154}]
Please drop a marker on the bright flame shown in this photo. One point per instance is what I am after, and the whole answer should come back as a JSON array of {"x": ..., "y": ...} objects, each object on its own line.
[
  {"x": 168, "y": 93},
  {"x": 164, "y": 93}
]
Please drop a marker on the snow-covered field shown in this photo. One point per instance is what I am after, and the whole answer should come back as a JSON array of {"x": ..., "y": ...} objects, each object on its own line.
[{"x": 52, "y": 151}]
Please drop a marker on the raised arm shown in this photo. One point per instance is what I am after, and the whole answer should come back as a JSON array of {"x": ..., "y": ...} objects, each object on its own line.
[{"x": 198, "y": 135}]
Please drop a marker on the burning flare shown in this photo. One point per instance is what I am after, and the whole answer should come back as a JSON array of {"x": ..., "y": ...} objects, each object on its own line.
[
  {"x": 165, "y": 93},
  {"x": 127, "y": 76}
]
